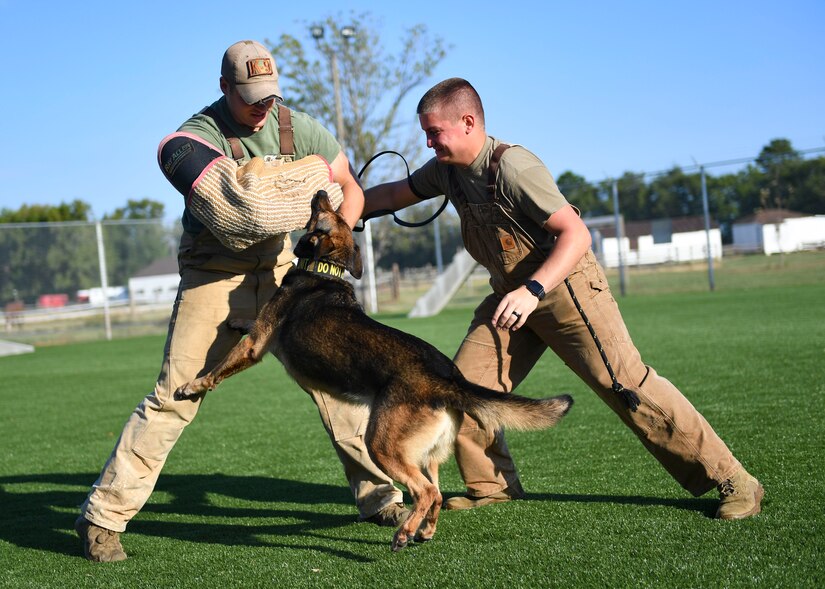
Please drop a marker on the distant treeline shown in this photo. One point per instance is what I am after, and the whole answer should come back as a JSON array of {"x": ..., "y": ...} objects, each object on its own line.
[{"x": 49, "y": 259}]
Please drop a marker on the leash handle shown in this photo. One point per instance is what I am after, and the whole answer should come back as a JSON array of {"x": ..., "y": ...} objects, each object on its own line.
[{"x": 382, "y": 212}]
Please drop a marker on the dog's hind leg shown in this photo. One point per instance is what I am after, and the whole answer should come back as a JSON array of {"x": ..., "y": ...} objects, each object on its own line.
[
  {"x": 391, "y": 456},
  {"x": 244, "y": 354},
  {"x": 398, "y": 437},
  {"x": 424, "y": 495},
  {"x": 426, "y": 530}
]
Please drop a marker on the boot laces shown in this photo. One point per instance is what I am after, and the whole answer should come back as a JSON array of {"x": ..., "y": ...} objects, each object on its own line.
[{"x": 726, "y": 488}]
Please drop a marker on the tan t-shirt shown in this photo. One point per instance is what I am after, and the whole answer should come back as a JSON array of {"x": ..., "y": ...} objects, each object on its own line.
[{"x": 523, "y": 181}]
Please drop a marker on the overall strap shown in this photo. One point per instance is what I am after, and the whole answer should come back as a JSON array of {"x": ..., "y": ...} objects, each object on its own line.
[
  {"x": 630, "y": 398},
  {"x": 492, "y": 170},
  {"x": 285, "y": 132}
]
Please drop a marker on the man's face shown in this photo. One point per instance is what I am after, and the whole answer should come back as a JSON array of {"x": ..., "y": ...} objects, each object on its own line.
[
  {"x": 448, "y": 136},
  {"x": 251, "y": 115}
]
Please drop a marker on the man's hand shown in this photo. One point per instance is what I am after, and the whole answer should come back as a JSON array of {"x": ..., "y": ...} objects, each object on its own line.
[{"x": 514, "y": 309}]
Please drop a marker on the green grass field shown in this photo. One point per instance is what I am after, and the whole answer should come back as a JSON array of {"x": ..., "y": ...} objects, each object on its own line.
[{"x": 253, "y": 495}]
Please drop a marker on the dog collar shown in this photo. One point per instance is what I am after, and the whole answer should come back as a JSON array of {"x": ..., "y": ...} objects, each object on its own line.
[{"x": 321, "y": 267}]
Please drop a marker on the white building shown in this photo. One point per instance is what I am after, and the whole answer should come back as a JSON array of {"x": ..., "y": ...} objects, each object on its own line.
[
  {"x": 775, "y": 231},
  {"x": 658, "y": 241},
  {"x": 156, "y": 283},
  {"x": 94, "y": 296}
]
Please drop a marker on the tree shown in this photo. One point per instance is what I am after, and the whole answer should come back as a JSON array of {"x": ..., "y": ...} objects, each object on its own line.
[
  {"x": 778, "y": 161},
  {"x": 723, "y": 202},
  {"x": 776, "y": 153},
  {"x": 43, "y": 256},
  {"x": 134, "y": 237},
  {"x": 138, "y": 209},
  {"x": 415, "y": 247},
  {"x": 55, "y": 248},
  {"x": 375, "y": 85},
  {"x": 634, "y": 196},
  {"x": 373, "y": 82},
  {"x": 675, "y": 194},
  {"x": 810, "y": 196},
  {"x": 583, "y": 195},
  {"x": 77, "y": 210}
]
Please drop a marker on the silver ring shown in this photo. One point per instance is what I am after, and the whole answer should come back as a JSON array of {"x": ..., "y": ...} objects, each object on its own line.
[{"x": 517, "y": 314}]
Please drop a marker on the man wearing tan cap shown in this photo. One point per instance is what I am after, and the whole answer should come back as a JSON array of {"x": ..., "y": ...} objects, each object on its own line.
[{"x": 247, "y": 167}]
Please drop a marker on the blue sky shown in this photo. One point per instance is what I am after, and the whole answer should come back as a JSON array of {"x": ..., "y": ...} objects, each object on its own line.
[{"x": 598, "y": 88}]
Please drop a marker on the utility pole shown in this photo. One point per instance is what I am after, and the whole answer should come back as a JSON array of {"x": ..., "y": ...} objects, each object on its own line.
[{"x": 347, "y": 33}]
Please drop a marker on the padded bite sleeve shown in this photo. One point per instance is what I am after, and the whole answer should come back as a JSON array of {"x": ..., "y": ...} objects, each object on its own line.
[{"x": 244, "y": 205}]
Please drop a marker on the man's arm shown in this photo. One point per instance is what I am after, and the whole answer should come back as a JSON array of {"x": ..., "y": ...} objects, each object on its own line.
[
  {"x": 390, "y": 196},
  {"x": 572, "y": 242},
  {"x": 344, "y": 175}
]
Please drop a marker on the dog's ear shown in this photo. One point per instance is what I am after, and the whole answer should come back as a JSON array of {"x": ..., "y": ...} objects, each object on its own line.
[
  {"x": 317, "y": 206},
  {"x": 355, "y": 265}
]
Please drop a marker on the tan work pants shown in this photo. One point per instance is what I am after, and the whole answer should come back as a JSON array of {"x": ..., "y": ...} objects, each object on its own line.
[
  {"x": 666, "y": 423},
  {"x": 198, "y": 339}
]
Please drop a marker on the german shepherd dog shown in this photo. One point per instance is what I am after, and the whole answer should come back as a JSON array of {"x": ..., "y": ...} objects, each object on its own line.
[{"x": 316, "y": 328}]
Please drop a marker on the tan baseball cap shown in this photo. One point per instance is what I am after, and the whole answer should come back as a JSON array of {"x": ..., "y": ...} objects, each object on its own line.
[{"x": 249, "y": 66}]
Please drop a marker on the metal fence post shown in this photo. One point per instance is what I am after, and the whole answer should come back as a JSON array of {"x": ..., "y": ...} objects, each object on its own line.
[
  {"x": 619, "y": 236},
  {"x": 104, "y": 282},
  {"x": 706, "y": 209}
]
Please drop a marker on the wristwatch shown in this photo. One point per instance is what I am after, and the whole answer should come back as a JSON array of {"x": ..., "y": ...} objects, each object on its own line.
[{"x": 535, "y": 288}]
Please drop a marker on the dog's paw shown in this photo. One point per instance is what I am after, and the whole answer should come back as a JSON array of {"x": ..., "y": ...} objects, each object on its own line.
[
  {"x": 425, "y": 532},
  {"x": 399, "y": 541},
  {"x": 421, "y": 538},
  {"x": 242, "y": 325},
  {"x": 189, "y": 390}
]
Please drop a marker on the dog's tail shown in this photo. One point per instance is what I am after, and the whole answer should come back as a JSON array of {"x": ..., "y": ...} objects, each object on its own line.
[{"x": 494, "y": 410}]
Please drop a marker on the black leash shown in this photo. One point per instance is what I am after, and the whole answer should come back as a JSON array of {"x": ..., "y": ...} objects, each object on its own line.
[{"x": 382, "y": 212}]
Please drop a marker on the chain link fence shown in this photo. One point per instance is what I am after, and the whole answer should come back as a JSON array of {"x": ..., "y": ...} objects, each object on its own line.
[
  {"x": 71, "y": 281},
  {"x": 76, "y": 281}
]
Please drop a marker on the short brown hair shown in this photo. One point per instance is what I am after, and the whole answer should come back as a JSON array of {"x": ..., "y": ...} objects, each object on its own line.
[{"x": 458, "y": 94}]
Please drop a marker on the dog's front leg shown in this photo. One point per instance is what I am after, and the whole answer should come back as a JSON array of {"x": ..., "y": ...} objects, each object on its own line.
[{"x": 244, "y": 354}]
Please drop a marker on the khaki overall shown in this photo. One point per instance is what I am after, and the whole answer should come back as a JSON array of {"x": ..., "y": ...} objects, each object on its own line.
[{"x": 666, "y": 423}]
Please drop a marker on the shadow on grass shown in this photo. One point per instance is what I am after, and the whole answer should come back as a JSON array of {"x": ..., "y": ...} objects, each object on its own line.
[
  {"x": 705, "y": 506},
  {"x": 38, "y": 510}
]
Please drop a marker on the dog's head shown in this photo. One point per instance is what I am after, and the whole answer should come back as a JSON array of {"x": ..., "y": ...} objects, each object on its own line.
[{"x": 329, "y": 237}]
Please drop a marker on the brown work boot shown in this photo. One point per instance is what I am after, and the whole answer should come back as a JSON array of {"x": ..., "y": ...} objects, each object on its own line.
[
  {"x": 393, "y": 515},
  {"x": 469, "y": 501},
  {"x": 740, "y": 496},
  {"x": 99, "y": 544}
]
